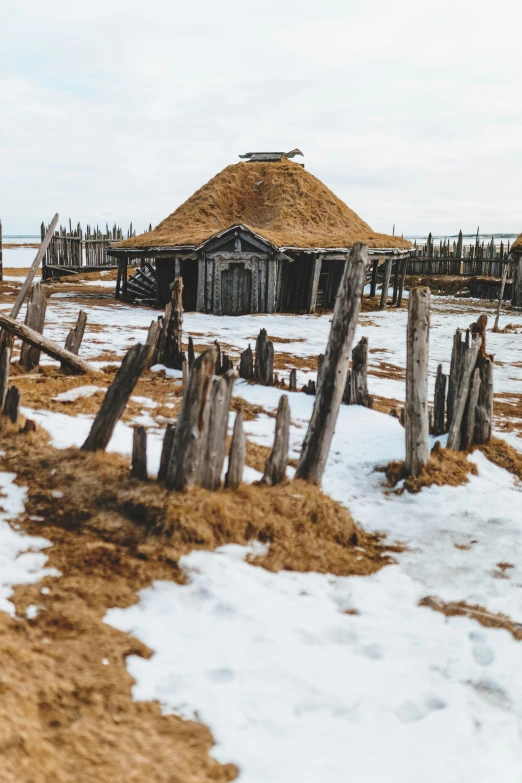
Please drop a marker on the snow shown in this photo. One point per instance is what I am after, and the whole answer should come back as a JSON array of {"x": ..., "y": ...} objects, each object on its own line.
[
  {"x": 75, "y": 394},
  {"x": 21, "y": 561}
]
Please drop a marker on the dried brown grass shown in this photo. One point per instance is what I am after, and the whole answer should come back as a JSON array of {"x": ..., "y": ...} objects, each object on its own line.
[
  {"x": 475, "y": 612},
  {"x": 444, "y": 468},
  {"x": 291, "y": 207},
  {"x": 505, "y": 456}
]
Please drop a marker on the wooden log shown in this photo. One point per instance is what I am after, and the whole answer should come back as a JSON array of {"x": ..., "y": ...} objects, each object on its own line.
[
  {"x": 264, "y": 361},
  {"x": 166, "y": 451},
  {"x": 373, "y": 284},
  {"x": 237, "y": 454},
  {"x": 246, "y": 365},
  {"x": 12, "y": 404},
  {"x": 34, "y": 319},
  {"x": 117, "y": 396},
  {"x": 190, "y": 352},
  {"x": 183, "y": 467},
  {"x": 153, "y": 337},
  {"x": 275, "y": 466},
  {"x": 439, "y": 403},
  {"x": 385, "y": 284},
  {"x": 215, "y": 431},
  {"x": 469, "y": 361},
  {"x": 44, "y": 344},
  {"x": 33, "y": 270},
  {"x": 356, "y": 388},
  {"x": 500, "y": 298},
  {"x": 404, "y": 266},
  {"x": 292, "y": 381},
  {"x": 139, "y": 452},
  {"x": 484, "y": 407},
  {"x": 321, "y": 428},
  {"x": 5, "y": 361},
  {"x": 469, "y": 425},
  {"x": 170, "y": 352},
  {"x": 416, "y": 407}
]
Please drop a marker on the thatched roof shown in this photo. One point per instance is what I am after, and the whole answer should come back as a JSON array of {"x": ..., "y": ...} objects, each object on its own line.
[
  {"x": 517, "y": 244},
  {"x": 281, "y": 202}
]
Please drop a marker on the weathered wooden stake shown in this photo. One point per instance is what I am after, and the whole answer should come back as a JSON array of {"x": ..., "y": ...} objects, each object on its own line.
[
  {"x": 183, "y": 467},
  {"x": 404, "y": 265},
  {"x": 469, "y": 361},
  {"x": 457, "y": 354},
  {"x": 469, "y": 428},
  {"x": 34, "y": 319},
  {"x": 356, "y": 388},
  {"x": 333, "y": 378},
  {"x": 237, "y": 455},
  {"x": 12, "y": 403},
  {"x": 34, "y": 268},
  {"x": 139, "y": 452},
  {"x": 215, "y": 431},
  {"x": 166, "y": 451},
  {"x": 264, "y": 363},
  {"x": 292, "y": 381},
  {"x": 5, "y": 361},
  {"x": 373, "y": 284},
  {"x": 246, "y": 365},
  {"x": 416, "y": 408},
  {"x": 190, "y": 352},
  {"x": 501, "y": 297},
  {"x": 74, "y": 339},
  {"x": 117, "y": 396},
  {"x": 385, "y": 284},
  {"x": 395, "y": 282},
  {"x": 170, "y": 352},
  {"x": 184, "y": 372},
  {"x": 439, "y": 403},
  {"x": 275, "y": 466},
  {"x": 484, "y": 408}
]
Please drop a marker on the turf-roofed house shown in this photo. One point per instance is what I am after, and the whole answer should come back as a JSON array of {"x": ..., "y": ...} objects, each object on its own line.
[
  {"x": 263, "y": 236},
  {"x": 516, "y": 253}
]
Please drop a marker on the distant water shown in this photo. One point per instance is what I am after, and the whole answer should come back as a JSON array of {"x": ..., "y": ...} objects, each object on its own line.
[{"x": 468, "y": 239}]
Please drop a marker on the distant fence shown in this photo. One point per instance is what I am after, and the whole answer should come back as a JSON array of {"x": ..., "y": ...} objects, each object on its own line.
[
  {"x": 74, "y": 249},
  {"x": 484, "y": 259}
]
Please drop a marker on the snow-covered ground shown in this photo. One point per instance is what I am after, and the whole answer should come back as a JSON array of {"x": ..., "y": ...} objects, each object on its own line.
[{"x": 292, "y": 686}]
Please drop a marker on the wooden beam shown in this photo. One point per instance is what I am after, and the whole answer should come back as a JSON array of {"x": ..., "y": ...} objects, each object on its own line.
[
  {"x": 34, "y": 268},
  {"x": 44, "y": 344}
]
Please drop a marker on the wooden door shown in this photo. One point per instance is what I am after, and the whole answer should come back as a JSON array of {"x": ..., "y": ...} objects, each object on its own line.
[{"x": 236, "y": 290}]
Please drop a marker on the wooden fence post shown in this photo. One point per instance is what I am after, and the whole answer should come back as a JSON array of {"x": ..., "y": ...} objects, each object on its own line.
[
  {"x": 5, "y": 363},
  {"x": 237, "y": 455},
  {"x": 516, "y": 298},
  {"x": 396, "y": 282},
  {"x": 12, "y": 403},
  {"x": 170, "y": 352},
  {"x": 416, "y": 409},
  {"x": 139, "y": 452},
  {"x": 264, "y": 364},
  {"x": 275, "y": 466},
  {"x": 246, "y": 364},
  {"x": 292, "y": 381},
  {"x": 469, "y": 360},
  {"x": 33, "y": 270},
  {"x": 321, "y": 428},
  {"x": 183, "y": 467},
  {"x": 356, "y": 388},
  {"x": 439, "y": 403},
  {"x": 373, "y": 284},
  {"x": 484, "y": 407},
  {"x": 117, "y": 396},
  {"x": 215, "y": 431},
  {"x": 74, "y": 339},
  {"x": 166, "y": 450},
  {"x": 190, "y": 353},
  {"x": 404, "y": 265},
  {"x": 385, "y": 284},
  {"x": 34, "y": 319},
  {"x": 501, "y": 297}
]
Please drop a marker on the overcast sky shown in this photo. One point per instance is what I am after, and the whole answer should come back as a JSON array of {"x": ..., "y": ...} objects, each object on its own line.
[{"x": 410, "y": 111}]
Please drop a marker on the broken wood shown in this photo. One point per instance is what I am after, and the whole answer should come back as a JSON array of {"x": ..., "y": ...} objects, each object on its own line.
[
  {"x": 321, "y": 428},
  {"x": 385, "y": 284},
  {"x": 439, "y": 402},
  {"x": 457, "y": 354},
  {"x": 292, "y": 381},
  {"x": 215, "y": 431},
  {"x": 264, "y": 361},
  {"x": 320, "y": 365},
  {"x": 237, "y": 454},
  {"x": 170, "y": 352},
  {"x": 166, "y": 450},
  {"x": 190, "y": 353},
  {"x": 74, "y": 339},
  {"x": 356, "y": 388},
  {"x": 416, "y": 408},
  {"x": 246, "y": 364},
  {"x": 469, "y": 361},
  {"x": 373, "y": 284},
  {"x": 500, "y": 298},
  {"x": 404, "y": 265},
  {"x": 134, "y": 363},
  {"x": 44, "y": 344},
  {"x": 5, "y": 363},
  {"x": 153, "y": 337},
  {"x": 12, "y": 404},
  {"x": 484, "y": 408},
  {"x": 184, "y": 372},
  {"x": 183, "y": 467},
  {"x": 310, "y": 388},
  {"x": 469, "y": 428},
  {"x": 395, "y": 283},
  {"x": 275, "y": 466},
  {"x": 34, "y": 319},
  {"x": 139, "y": 452}
]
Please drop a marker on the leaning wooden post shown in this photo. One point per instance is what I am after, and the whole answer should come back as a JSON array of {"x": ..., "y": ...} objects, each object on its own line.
[
  {"x": 237, "y": 455},
  {"x": 184, "y": 464},
  {"x": 153, "y": 337},
  {"x": 439, "y": 403},
  {"x": 385, "y": 284},
  {"x": 275, "y": 466},
  {"x": 33, "y": 270},
  {"x": 117, "y": 396},
  {"x": 170, "y": 352},
  {"x": 34, "y": 319},
  {"x": 321, "y": 428},
  {"x": 416, "y": 409},
  {"x": 501, "y": 297},
  {"x": 139, "y": 452},
  {"x": 215, "y": 431}
]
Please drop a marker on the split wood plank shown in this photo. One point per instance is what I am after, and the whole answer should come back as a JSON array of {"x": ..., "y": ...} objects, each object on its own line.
[
  {"x": 139, "y": 452},
  {"x": 275, "y": 466},
  {"x": 44, "y": 344},
  {"x": 321, "y": 428},
  {"x": 116, "y": 398},
  {"x": 246, "y": 364},
  {"x": 237, "y": 454},
  {"x": 468, "y": 366},
  {"x": 34, "y": 319},
  {"x": 215, "y": 431}
]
